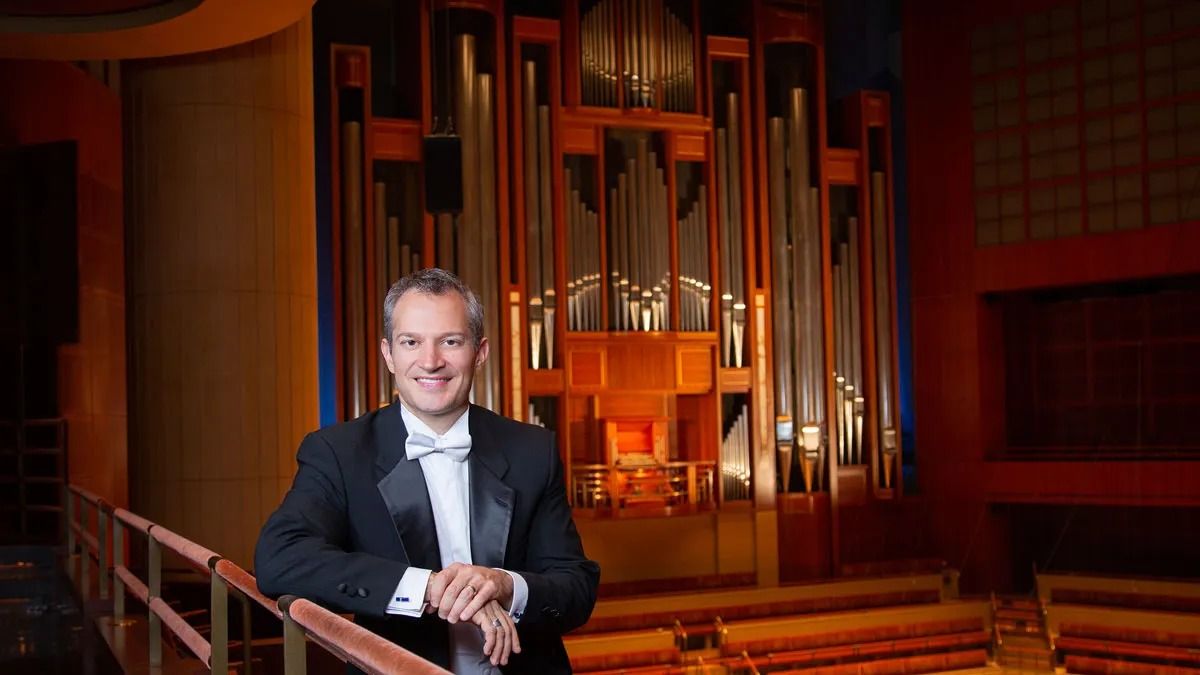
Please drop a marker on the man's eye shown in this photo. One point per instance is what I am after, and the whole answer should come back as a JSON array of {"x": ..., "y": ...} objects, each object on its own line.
[
  {"x": 408, "y": 342},
  {"x": 453, "y": 342}
]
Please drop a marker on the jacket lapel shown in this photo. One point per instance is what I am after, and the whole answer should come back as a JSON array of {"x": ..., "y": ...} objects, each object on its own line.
[
  {"x": 491, "y": 497},
  {"x": 401, "y": 484}
]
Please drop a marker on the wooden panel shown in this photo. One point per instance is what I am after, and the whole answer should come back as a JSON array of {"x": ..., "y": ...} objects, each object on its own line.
[
  {"x": 642, "y": 367},
  {"x": 694, "y": 369},
  {"x": 875, "y": 109},
  {"x": 728, "y": 47},
  {"x": 545, "y": 382},
  {"x": 842, "y": 165},
  {"x": 691, "y": 147},
  {"x": 804, "y": 545},
  {"x": 586, "y": 368},
  {"x": 734, "y": 380},
  {"x": 632, "y": 405},
  {"x": 398, "y": 140},
  {"x": 852, "y": 485},
  {"x": 578, "y": 139}
]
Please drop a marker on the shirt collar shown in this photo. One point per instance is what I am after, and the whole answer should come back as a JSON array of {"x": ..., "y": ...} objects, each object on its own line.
[{"x": 413, "y": 424}]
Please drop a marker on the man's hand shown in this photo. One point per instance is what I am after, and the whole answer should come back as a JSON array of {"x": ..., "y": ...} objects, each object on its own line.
[
  {"x": 460, "y": 591},
  {"x": 499, "y": 632}
]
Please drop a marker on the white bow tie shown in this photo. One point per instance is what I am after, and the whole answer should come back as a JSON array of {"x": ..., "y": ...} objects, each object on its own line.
[{"x": 455, "y": 446}]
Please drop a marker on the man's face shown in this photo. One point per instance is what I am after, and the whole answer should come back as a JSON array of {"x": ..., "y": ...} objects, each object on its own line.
[{"x": 432, "y": 356}]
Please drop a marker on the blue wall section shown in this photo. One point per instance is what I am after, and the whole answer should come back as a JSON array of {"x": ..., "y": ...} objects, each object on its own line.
[
  {"x": 863, "y": 52},
  {"x": 327, "y": 366}
]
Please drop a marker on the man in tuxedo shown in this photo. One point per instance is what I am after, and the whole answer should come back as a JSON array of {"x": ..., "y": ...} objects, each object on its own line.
[{"x": 442, "y": 526}]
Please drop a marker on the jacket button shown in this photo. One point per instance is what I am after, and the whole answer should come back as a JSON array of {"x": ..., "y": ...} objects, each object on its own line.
[
  {"x": 362, "y": 592},
  {"x": 342, "y": 587}
]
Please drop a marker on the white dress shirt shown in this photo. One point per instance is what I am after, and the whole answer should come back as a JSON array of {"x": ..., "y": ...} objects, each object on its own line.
[{"x": 449, "y": 484}]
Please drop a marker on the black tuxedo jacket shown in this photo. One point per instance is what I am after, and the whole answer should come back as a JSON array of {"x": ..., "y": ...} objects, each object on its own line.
[{"x": 358, "y": 515}]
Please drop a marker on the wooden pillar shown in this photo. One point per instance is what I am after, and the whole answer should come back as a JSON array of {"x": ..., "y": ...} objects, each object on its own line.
[{"x": 222, "y": 277}]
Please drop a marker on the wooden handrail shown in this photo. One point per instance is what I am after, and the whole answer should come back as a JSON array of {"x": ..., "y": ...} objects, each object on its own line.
[
  {"x": 353, "y": 643},
  {"x": 340, "y": 637},
  {"x": 87, "y": 495},
  {"x": 133, "y": 520},
  {"x": 182, "y": 630},
  {"x": 246, "y": 584},
  {"x": 201, "y": 558}
]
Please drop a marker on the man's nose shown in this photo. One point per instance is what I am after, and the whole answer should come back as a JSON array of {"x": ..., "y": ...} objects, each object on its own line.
[{"x": 430, "y": 357}]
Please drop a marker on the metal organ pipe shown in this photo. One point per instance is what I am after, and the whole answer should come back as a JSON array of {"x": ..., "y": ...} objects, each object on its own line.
[{"x": 353, "y": 278}]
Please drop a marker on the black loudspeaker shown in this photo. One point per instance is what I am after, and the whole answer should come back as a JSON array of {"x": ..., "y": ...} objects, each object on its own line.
[{"x": 443, "y": 173}]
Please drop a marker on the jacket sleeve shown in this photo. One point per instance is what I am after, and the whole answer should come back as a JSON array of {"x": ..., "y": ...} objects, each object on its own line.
[
  {"x": 562, "y": 581},
  {"x": 302, "y": 549}
]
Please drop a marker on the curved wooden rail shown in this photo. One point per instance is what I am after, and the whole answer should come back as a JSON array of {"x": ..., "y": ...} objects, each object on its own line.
[
  {"x": 247, "y": 584},
  {"x": 199, "y": 557},
  {"x": 133, "y": 520},
  {"x": 353, "y": 643},
  {"x": 348, "y": 642},
  {"x": 182, "y": 630}
]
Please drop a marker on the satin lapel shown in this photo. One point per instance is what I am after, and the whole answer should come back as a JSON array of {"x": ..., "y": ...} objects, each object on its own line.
[
  {"x": 491, "y": 497},
  {"x": 401, "y": 484}
]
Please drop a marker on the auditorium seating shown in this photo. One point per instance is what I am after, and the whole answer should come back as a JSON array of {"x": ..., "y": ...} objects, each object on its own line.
[
  {"x": 646, "y": 651},
  {"x": 1095, "y": 639},
  {"x": 1152, "y": 594},
  {"x": 943, "y": 636},
  {"x": 697, "y": 612}
]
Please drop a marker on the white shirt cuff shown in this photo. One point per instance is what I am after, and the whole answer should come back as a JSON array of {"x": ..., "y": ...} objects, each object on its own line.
[
  {"x": 409, "y": 598},
  {"x": 520, "y": 596}
]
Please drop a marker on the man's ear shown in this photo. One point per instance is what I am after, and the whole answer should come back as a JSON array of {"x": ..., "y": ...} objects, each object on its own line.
[{"x": 481, "y": 354}]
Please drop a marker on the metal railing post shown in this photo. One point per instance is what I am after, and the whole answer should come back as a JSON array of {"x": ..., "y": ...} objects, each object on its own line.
[
  {"x": 294, "y": 655},
  {"x": 118, "y": 562},
  {"x": 102, "y": 516},
  {"x": 85, "y": 556},
  {"x": 154, "y": 590},
  {"x": 219, "y": 616},
  {"x": 70, "y": 498},
  {"x": 247, "y": 635}
]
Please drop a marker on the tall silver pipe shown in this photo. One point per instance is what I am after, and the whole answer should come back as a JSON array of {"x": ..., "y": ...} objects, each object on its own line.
[
  {"x": 887, "y": 440},
  {"x": 353, "y": 279},
  {"x": 486, "y": 237},
  {"x": 645, "y": 177},
  {"x": 623, "y": 213},
  {"x": 726, "y": 249},
  {"x": 856, "y": 373},
  {"x": 383, "y": 384},
  {"x": 703, "y": 249},
  {"x": 549, "y": 299},
  {"x": 569, "y": 211},
  {"x": 632, "y": 221},
  {"x": 734, "y": 172},
  {"x": 533, "y": 228},
  {"x": 466, "y": 108},
  {"x": 614, "y": 257},
  {"x": 781, "y": 281}
]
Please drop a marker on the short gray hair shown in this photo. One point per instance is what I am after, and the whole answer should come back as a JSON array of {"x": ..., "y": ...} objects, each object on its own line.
[{"x": 434, "y": 281}]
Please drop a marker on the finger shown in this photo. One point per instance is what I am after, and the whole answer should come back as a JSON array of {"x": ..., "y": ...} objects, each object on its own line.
[
  {"x": 441, "y": 580},
  {"x": 500, "y": 654},
  {"x": 489, "y": 636},
  {"x": 516, "y": 637},
  {"x": 487, "y": 592},
  {"x": 476, "y": 587},
  {"x": 451, "y": 593}
]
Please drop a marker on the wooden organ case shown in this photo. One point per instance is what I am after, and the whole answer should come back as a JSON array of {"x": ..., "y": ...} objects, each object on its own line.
[{"x": 681, "y": 277}]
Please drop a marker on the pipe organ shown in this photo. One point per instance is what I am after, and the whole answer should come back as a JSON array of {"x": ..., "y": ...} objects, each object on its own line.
[{"x": 670, "y": 253}]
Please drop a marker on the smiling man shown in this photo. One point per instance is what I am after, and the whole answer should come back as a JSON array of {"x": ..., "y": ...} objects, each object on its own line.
[{"x": 441, "y": 525}]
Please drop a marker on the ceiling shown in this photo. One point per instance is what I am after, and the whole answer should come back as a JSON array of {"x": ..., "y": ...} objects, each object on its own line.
[{"x": 77, "y": 30}]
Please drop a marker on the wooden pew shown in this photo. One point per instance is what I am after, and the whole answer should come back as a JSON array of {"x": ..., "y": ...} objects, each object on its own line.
[
  {"x": 697, "y": 612},
  {"x": 890, "y": 637},
  {"x": 1095, "y": 636},
  {"x": 1152, "y": 594},
  {"x": 645, "y": 651}
]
